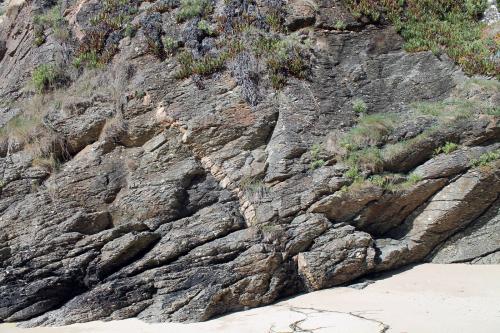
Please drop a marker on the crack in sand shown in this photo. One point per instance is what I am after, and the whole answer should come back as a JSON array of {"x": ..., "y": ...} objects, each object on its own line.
[{"x": 296, "y": 328}]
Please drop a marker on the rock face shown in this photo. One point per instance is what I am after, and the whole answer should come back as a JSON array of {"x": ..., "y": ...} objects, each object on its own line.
[{"x": 183, "y": 199}]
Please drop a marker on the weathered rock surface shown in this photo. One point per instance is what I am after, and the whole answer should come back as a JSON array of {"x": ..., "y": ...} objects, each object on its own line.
[{"x": 180, "y": 200}]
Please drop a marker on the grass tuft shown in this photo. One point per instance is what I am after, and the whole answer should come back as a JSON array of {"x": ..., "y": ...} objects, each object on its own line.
[
  {"x": 448, "y": 148},
  {"x": 371, "y": 130},
  {"x": 486, "y": 159},
  {"x": 44, "y": 77},
  {"x": 359, "y": 106}
]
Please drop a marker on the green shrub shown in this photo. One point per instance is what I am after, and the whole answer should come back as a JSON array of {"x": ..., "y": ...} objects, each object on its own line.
[
  {"x": 278, "y": 80},
  {"x": 114, "y": 17},
  {"x": 486, "y": 158},
  {"x": 193, "y": 8},
  {"x": 317, "y": 164},
  {"x": 448, "y": 148},
  {"x": 44, "y": 77},
  {"x": 139, "y": 94},
  {"x": 359, "y": 106}
]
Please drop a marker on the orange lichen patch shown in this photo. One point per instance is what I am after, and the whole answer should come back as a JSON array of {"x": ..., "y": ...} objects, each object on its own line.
[{"x": 240, "y": 114}]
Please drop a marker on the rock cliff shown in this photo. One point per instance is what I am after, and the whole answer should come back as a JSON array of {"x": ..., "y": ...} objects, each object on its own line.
[{"x": 174, "y": 161}]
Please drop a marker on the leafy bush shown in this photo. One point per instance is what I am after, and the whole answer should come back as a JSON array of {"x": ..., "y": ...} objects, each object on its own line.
[
  {"x": 112, "y": 19},
  {"x": 130, "y": 30},
  {"x": 383, "y": 181},
  {"x": 274, "y": 21}
]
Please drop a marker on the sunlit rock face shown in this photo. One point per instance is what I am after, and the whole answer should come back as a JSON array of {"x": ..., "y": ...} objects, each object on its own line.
[{"x": 132, "y": 189}]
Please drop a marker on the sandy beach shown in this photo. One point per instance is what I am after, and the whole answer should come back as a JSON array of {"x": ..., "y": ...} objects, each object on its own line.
[{"x": 425, "y": 298}]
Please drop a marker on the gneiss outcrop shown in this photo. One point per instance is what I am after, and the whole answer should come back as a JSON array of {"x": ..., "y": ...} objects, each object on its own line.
[{"x": 174, "y": 161}]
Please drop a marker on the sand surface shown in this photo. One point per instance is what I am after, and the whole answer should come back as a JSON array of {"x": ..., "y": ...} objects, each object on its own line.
[{"x": 426, "y": 298}]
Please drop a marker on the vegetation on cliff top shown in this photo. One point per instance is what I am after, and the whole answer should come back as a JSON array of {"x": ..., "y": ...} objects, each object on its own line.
[{"x": 449, "y": 26}]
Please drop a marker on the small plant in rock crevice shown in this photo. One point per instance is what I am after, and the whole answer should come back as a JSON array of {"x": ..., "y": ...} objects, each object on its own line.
[
  {"x": 53, "y": 20},
  {"x": 486, "y": 159},
  {"x": 45, "y": 77},
  {"x": 359, "y": 106},
  {"x": 111, "y": 23},
  {"x": 204, "y": 26},
  {"x": 253, "y": 186},
  {"x": 354, "y": 174},
  {"x": 316, "y": 160},
  {"x": 448, "y": 148},
  {"x": 170, "y": 45},
  {"x": 259, "y": 39},
  {"x": 340, "y": 25},
  {"x": 27, "y": 131}
]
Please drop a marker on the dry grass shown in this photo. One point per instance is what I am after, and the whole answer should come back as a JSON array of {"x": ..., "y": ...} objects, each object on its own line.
[
  {"x": 113, "y": 129},
  {"x": 27, "y": 131},
  {"x": 370, "y": 131}
]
